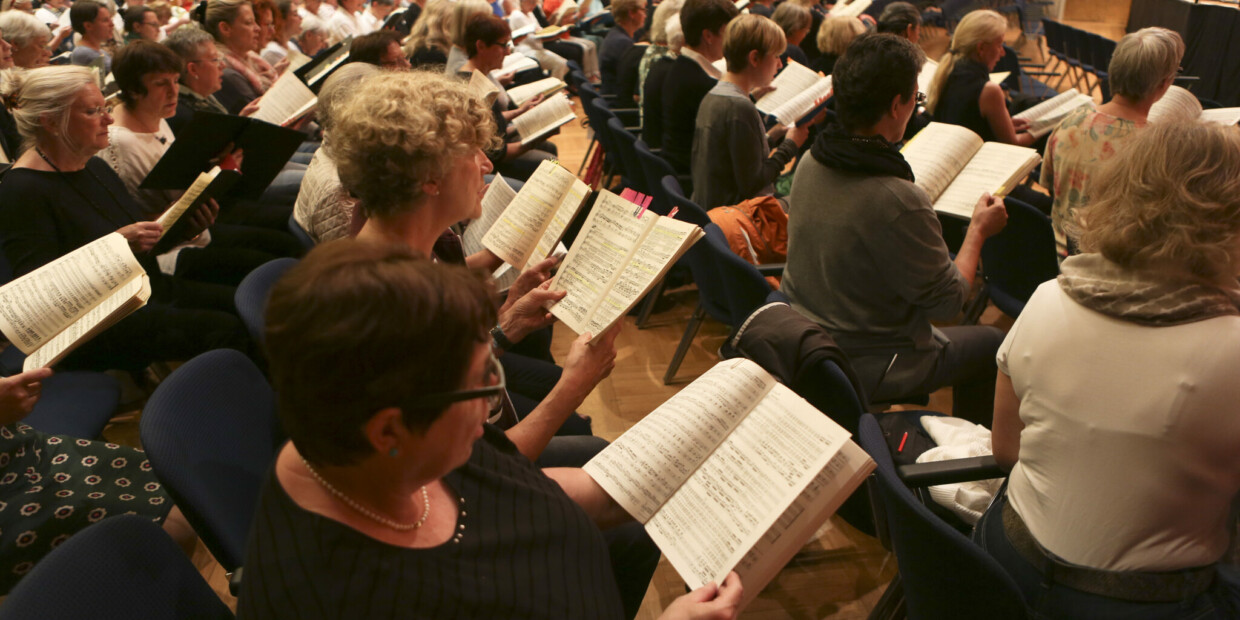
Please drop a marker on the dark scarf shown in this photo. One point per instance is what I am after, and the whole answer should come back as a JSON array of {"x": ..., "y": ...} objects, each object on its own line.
[
  {"x": 1140, "y": 297},
  {"x": 869, "y": 155}
]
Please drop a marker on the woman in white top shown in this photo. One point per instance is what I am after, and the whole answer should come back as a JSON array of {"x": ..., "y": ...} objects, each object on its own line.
[
  {"x": 1116, "y": 397},
  {"x": 346, "y": 22},
  {"x": 147, "y": 73},
  {"x": 286, "y": 23}
]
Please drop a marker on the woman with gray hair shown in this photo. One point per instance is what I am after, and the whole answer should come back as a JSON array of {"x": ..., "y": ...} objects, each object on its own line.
[
  {"x": 312, "y": 38},
  {"x": 324, "y": 208},
  {"x": 30, "y": 39},
  {"x": 1114, "y": 401},
  {"x": 795, "y": 20},
  {"x": 1143, "y": 67}
]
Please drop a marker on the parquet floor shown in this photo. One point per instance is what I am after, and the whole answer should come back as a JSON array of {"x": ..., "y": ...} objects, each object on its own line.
[{"x": 840, "y": 574}]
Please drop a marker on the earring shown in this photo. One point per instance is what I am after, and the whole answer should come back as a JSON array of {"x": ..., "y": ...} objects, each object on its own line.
[{"x": 393, "y": 452}]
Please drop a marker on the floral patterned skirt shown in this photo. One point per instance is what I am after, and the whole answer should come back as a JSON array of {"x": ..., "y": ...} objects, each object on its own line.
[{"x": 52, "y": 487}]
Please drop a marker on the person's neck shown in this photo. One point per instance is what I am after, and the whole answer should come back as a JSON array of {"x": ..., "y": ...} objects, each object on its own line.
[
  {"x": 741, "y": 80},
  {"x": 237, "y": 50},
  {"x": 137, "y": 121},
  {"x": 379, "y": 484},
  {"x": 886, "y": 128},
  {"x": 92, "y": 43},
  {"x": 704, "y": 52},
  {"x": 629, "y": 29},
  {"x": 60, "y": 156},
  {"x": 417, "y": 228},
  {"x": 197, "y": 87},
  {"x": 471, "y": 66},
  {"x": 1122, "y": 107}
]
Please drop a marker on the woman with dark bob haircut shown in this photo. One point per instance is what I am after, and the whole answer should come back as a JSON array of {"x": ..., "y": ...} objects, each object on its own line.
[{"x": 395, "y": 496}]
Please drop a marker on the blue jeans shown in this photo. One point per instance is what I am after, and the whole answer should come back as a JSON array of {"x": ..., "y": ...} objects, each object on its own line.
[{"x": 1047, "y": 601}]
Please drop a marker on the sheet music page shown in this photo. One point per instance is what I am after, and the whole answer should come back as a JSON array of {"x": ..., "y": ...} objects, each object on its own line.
[
  {"x": 1177, "y": 104},
  {"x": 1222, "y": 116},
  {"x": 790, "y": 82},
  {"x": 514, "y": 236},
  {"x": 527, "y": 92},
  {"x": 998, "y": 77},
  {"x": 499, "y": 193},
  {"x": 731, "y": 501},
  {"x": 599, "y": 253},
  {"x": 284, "y": 100},
  {"x": 482, "y": 87},
  {"x": 91, "y": 323},
  {"x": 296, "y": 60},
  {"x": 170, "y": 217},
  {"x": 563, "y": 216},
  {"x": 40, "y": 304},
  {"x": 824, "y": 495},
  {"x": 937, "y": 153},
  {"x": 797, "y": 107},
  {"x": 515, "y": 62},
  {"x": 544, "y": 117},
  {"x": 1046, "y": 116},
  {"x": 995, "y": 169},
  {"x": 661, "y": 246},
  {"x": 852, "y": 9},
  {"x": 645, "y": 465}
]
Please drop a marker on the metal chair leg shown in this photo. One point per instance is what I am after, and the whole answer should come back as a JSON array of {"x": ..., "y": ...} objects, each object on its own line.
[
  {"x": 691, "y": 330},
  {"x": 648, "y": 304}
]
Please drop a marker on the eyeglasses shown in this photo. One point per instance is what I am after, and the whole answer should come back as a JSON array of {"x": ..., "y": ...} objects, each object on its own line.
[
  {"x": 219, "y": 60},
  {"x": 96, "y": 111},
  {"x": 921, "y": 98},
  {"x": 493, "y": 392}
]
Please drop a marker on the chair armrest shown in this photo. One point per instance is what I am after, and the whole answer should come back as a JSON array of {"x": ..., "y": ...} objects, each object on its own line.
[
  {"x": 234, "y": 581},
  {"x": 772, "y": 269},
  {"x": 920, "y": 475}
]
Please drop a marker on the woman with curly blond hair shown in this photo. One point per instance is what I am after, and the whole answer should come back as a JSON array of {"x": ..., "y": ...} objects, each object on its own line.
[{"x": 1115, "y": 398}]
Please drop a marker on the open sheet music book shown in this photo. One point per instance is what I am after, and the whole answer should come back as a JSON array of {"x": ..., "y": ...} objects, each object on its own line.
[
  {"x": 1179, "y": 104},
  {"x": 286, "y": 101},
  {"x": 482, "y": 87},
  {"x": 544, "y": 118},
  {"x": 535, "y": 219},
  {"x": 214, "y": 182},
  {"x": 515, "y": 63},
  {"x": 550, "y": 32},
  {"x": 324, "y": 64},
  {"x": 849, "y": 9},
  {"x": 52, "y": 310},
  {"x": 566, "y": 8},
  {"x": 297, "y": 60},
  {"x": 528, "y": 92},
  {"x": 734, "y": 472},
  {"x": 1046, "y": 116},
  {"x": 619, "y": 255},
  {"x": 956, "y": 167},
  {"x": 497, "y": 198},
  {"x": 797, "y": 89}
]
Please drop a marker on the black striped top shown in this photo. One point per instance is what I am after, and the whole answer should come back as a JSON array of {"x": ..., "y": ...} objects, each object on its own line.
[{"x": 527, "y": 551}]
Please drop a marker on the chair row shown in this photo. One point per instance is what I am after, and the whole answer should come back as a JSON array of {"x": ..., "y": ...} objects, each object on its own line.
[{"x": 1080, "y": 53}]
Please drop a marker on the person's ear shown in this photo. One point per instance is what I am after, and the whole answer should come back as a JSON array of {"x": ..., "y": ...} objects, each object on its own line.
[
  {"x": 386, "y": 432},
  {"x": 897, "y": 102},
  {"x": 49, "y": 125},
  {"x": 225, "y": 29},
  {"x": 754, "y": 58},
  {"x": 430, "y": 188}
]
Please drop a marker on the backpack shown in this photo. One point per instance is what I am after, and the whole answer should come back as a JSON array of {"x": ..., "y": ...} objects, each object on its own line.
[{"x": 756, "y": 230}]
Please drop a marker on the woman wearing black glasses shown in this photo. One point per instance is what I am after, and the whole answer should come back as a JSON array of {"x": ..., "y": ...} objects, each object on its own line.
[{"x": 394, "y": 497}]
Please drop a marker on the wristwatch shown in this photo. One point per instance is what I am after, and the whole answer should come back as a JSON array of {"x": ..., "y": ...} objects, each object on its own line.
[{"x": 501, "y": 341}]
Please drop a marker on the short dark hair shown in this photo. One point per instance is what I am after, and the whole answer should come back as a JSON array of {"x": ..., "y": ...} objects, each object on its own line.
[
  {"x": 357, "y": 327},
  {"x": 83, "y": 12},
  {"x": 134, "y": 15},
  {"x": 699, "y": 15},
  {"x": 137, "y": 59},
  {"x": 485, "y": 27},
  {"x": 897, "y": 17},
  {"x": 873, "y": 71},
  {"x": 369, "y": 48}
]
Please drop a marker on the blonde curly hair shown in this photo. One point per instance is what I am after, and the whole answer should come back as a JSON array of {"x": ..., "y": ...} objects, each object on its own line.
[
  {"x": 400, "y": 130},
  {"x": 1169, "y": 201}
]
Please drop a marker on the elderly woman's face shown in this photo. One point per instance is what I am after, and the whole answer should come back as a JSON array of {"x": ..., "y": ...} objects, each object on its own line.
[
  {"x": 160, "y": 100},
  {"x": 148, "y": 29},
  {"x": 266, "y": 29},
  {"x": 394, "y": 59},
  {"x": 34, "y": 53},
  {"x": 449, "y": 440},
  {"x": 462, "y": 188},
  {"x": 312, "y": 42},
  {"x": 491, "y": 57},
  {"x": 243, "y": 32},
  {"x": 6, "y": 54},
  {"x": 88, "y": 120}
]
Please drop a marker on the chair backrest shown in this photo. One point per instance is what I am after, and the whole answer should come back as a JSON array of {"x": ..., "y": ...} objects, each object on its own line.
[
  {"x": 299, "y": 233},
  {"x": 1082, "y": 49},
  {"x": 743, "y": 287},
  {"x": 251, "y": 295},
  {"x": 122, "y": 567},
  {"x": 689, "y": 210},
  {"x": 630, "y": 166},
  {"x": 210, "y": 432},
  {"x": 1020, "y": 258},
  {"x": 945, "y": 575},
  {"x": 76, "y": 403},
  {"x": 654, "y": 168},
  {"x": 598, "y": 112}
]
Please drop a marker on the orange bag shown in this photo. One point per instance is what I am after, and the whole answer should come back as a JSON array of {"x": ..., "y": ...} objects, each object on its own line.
[{"x": 756, "y": 230}]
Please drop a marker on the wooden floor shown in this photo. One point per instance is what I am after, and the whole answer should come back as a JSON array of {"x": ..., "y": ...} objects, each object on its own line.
[{"x": 840, "y": 574}]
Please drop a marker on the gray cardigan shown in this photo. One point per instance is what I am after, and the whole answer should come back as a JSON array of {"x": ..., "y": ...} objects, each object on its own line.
[
  {"x": 866, "y": 259},
  {"x": 732, "y": 159}
]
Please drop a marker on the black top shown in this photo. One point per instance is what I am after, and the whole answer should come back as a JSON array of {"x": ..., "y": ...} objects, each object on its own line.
[
  {"x": 824, "y": 63},
  {"x": 525, "y": 551},
  {"x": 760, "y": 9},
  {"x": 428, "y": 56},
  {"x": 809, "y": 44},
  {"x": 615, "y": 44},
  {"x": 627, "y": 90},
  {"x": 652, "y": 104},
  {"x": 10, "y": 139},
  {"x": 45, "y": 215},
  {"x": 684, "y": 88},
  {"x": 793, "y": 52},
  {"x": 235, "y": 91},
  {"x": 958, "y": 101}
]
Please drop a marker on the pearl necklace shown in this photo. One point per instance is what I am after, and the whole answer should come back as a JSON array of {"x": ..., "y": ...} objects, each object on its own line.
[{"x": 373, "y": 516}]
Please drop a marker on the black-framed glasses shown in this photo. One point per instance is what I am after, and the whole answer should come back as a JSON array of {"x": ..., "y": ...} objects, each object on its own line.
[
  {"x": 493, "y": 392},
  {"x": 921, "y": 98}
]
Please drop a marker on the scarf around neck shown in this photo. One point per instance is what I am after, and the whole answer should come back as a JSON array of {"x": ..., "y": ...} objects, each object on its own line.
[
  {"x": 1142, "y": 297},
  {"x": 871, "y": 155}
]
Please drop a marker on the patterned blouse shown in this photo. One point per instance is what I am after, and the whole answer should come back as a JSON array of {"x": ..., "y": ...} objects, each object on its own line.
[{"x": 1083, "y": 140}]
